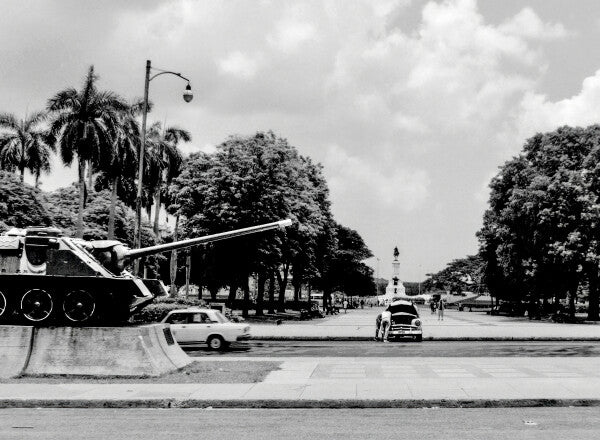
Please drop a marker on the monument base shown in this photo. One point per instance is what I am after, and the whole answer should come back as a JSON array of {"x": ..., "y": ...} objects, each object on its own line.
[{"x": 147, "y": 350}]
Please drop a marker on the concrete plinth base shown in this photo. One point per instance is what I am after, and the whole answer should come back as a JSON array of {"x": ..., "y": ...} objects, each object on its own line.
[{"x": 100, "y": 351}]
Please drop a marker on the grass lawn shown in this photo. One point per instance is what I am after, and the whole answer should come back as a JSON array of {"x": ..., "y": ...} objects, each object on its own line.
[{"x": 197, "y": 372}]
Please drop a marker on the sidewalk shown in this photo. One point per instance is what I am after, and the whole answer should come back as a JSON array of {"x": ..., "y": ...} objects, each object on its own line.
[
  {"x": 354, "y": 382},
  {"x": 359, "y": 324}
]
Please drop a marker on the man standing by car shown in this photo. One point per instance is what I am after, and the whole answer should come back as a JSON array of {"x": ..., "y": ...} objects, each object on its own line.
[
  {"x": 377, "y": 326},
  {"x": 386, "y": 322}
]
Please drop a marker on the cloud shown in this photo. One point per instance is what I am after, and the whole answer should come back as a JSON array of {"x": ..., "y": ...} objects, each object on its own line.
[
  {"x": 353, "y": 178},
  {"x": 289, "y": 34},
  {"x": 581, "y": 109},
  {"x": 527, "y": 24},
  {"x": 239, "y": 65}
]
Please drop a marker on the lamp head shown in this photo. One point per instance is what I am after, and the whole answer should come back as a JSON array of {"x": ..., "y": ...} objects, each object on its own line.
[{"x": 187, "y": 94}]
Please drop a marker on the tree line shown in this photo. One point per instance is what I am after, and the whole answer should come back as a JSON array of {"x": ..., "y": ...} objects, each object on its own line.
[
  {"x": 540, "y": 239},
  {"x": 99, "y": 132},
  {"x": 257, "y": 179},
  {"x": 246, "y": 181}
]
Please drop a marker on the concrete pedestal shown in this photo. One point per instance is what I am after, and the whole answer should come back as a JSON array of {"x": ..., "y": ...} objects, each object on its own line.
[{"x": 101, "y": 351}]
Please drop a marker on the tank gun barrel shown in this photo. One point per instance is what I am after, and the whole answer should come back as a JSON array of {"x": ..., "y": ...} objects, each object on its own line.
[{"x": 132, "y": 254}]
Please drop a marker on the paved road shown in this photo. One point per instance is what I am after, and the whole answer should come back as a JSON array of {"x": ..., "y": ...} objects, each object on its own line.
[
  {"x": 181, "y": 424},
  {"x": 405, "y": 349}
]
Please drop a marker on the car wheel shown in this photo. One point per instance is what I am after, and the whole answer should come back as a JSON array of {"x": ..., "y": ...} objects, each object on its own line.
[
  {"x": 216, "y": 342},
  {"x": 419, "y": 338}
]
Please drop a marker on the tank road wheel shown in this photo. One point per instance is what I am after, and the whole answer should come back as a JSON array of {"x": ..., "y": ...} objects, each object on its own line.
[
  {"x": 36, "y": 305},
  {"x": 3, "y": 307},
  {"x": 79, "y": 306}
]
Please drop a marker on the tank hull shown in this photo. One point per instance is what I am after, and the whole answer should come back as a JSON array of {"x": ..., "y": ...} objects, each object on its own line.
[{"x": 100, "y": 300}]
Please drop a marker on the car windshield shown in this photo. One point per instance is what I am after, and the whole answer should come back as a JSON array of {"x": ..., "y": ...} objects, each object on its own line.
[
  {"x": 402, "y": 308},
  {"x": 222, "y": 319}
]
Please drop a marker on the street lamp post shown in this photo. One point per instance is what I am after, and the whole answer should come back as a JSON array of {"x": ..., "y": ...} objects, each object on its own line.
[{"x": 187, "y": 97}]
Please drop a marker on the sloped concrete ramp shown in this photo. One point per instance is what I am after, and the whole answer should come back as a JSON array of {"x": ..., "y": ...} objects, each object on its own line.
[
  {"x": 103, "y": 351},
  {"x": 15, "y": 346}
]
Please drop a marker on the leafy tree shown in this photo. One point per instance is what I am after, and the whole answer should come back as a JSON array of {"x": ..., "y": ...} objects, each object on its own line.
[
  {"x": 249, "y": 181},
  {"x": 20, "y": 204},
  {"x": 83, "y": 125},
  {"x": 24, "y": 145},
  {"x": 539, "y": 238},
  {"x": 344, "y": 269},
  {"x": 463, "y": 274}
]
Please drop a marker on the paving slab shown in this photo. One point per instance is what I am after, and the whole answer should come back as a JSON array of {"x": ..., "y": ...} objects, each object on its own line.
[
  {"x": 275, "y": 391},
  {"x": 213, "y": 391}
]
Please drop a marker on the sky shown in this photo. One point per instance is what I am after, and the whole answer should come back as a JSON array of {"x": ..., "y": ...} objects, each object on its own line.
[{"x": 411, "y": 106}]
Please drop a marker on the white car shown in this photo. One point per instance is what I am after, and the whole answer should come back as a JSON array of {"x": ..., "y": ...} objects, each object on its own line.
[{"x": 195, "y": 326}]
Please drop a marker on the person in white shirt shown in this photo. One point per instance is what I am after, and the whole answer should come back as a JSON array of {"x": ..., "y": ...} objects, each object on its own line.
[{"x": 386, "y": 322}]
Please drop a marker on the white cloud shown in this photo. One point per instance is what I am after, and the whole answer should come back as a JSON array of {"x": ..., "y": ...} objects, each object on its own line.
[
  {"x": 537, "y": 113},
  {"x": 352, "y": 178},
  {"x": 383, "y": 8},
  {"x": 409, "y": 123},
  {"x": 527, "y": 24},
  {"x": 239, "y": 65},
  {"x": 289, "y": 34}
]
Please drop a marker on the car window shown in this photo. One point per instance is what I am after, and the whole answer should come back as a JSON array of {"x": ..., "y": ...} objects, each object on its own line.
[
  {"x": 199, "y": 318},
  {"x": 202, "y": 318},
  {"x": 220, "y": 317},
  {"x": 178, "y": 318},
  {"x": 211, "y": 318}
]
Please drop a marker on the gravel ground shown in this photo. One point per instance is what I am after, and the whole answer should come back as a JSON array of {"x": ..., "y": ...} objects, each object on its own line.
[{"x": 197, "y": 372}]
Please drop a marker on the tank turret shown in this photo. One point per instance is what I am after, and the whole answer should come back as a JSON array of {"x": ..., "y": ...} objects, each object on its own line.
[{"x": 46, "y": 277}]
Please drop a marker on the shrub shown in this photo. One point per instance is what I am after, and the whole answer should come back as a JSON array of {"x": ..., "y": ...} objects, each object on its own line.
[
  {"x": 156, "y": 311},
  {"x": 21, "y": 205}
]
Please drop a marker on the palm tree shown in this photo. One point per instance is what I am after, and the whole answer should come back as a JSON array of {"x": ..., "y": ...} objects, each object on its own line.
[
  {"x": 121, "y": 161},
  {"x": 84, "y": 126},
  {"x": 164, "y": 161},
  {"x": 24, "y": 144}
]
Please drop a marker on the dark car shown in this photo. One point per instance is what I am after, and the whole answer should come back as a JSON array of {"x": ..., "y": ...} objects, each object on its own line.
[
  {"x": 509, "y": 309},
  {"x": 405, "y": 322}
]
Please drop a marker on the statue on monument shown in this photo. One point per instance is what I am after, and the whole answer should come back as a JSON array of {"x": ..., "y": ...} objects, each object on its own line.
[{"x": 395, "y": 288}]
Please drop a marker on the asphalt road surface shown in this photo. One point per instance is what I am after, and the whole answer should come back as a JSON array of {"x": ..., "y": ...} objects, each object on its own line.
[
  {"x": 346, "y": 424},
  {"x": 405, "y": 349}
]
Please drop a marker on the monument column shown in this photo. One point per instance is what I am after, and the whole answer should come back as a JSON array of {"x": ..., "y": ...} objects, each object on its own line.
[{"x": 395, "y": 286}]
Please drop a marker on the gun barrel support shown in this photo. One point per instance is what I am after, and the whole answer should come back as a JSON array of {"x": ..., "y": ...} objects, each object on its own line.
[{"x": 139, "y": 253}]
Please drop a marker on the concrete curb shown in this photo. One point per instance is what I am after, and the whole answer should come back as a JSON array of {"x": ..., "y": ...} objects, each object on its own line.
[
  {"x": 430, "y": 338},
  {"x": 288, "y": 403}
]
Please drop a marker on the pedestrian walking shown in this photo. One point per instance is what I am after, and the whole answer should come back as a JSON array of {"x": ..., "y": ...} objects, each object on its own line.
[
  {"x": 441, "y": 307},
  {"x": 386, "y": 322},
  {"x": 432, "y": 306},
  {"x": 377, "y": 326},
  {"x": 345, "y": 305},
  {"x": 362, "y": 304}
]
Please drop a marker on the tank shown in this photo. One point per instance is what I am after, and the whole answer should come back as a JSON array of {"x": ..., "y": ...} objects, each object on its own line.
[{"x": 47, "y": 278}]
